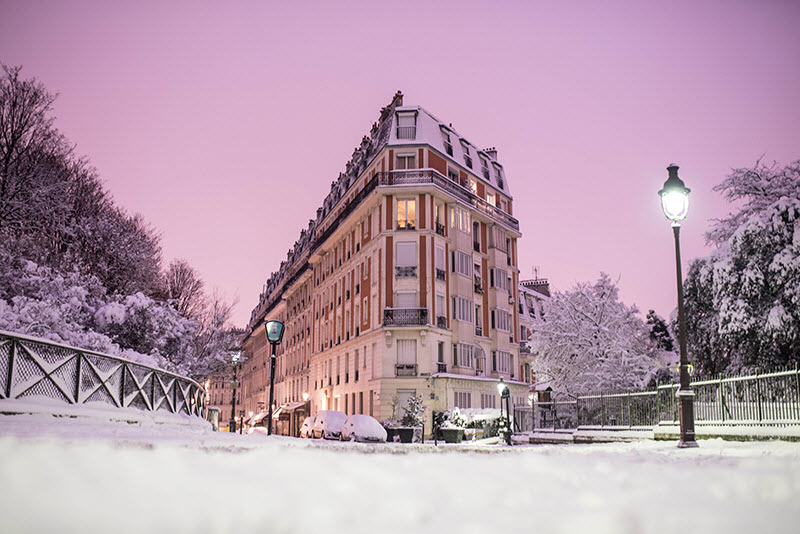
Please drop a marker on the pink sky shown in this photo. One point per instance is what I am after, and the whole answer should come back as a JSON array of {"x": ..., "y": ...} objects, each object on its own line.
[{"x": 199, "y": 115}]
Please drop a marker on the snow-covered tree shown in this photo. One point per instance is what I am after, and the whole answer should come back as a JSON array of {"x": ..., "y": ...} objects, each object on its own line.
[
  {"x": 414, "y": 412},
  {"x": 743, "y": 301},
  {"x": 591, "y": 341},
  {"x": 754, "y": 191},
  {"x": 184, "y": 288}
]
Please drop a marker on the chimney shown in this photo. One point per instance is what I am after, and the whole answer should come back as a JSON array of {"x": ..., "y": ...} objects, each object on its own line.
[{"x": 491, "y": 152}]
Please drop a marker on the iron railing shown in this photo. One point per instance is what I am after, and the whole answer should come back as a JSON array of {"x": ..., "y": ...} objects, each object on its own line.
[
  {"x": 441, "y": 321},
  {"x": 430, "y": 176},
  {"x": 762, "y": 399},
  {"x": 405, "y": 316},
  {"x": 440, "y": 274},
  {"x": 405, "y": 369},
  {"x": 33, "y": 367},
  {"x": 405, "y": 271},
  {"x": 543, "y": 416}
]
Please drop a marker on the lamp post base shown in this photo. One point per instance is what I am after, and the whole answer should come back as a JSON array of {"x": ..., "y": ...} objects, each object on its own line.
[{"x": 686, "y": 413}]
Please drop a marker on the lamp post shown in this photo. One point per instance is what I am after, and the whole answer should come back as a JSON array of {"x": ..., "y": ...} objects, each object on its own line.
[
  {"x": 274, "y": 336},
  {"x": 234, "y": 384},
  {"x": 505, "y": 394},
  {"x": 675, "y": 203}
]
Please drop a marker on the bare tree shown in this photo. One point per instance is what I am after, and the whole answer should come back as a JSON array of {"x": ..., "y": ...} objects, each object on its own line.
[{"x": 184, "y": 289}]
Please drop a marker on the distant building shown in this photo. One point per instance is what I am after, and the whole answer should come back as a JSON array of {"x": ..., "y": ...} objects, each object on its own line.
[
  {"x": 532, "y": 294},
  {"x": 405, "y": 283}
]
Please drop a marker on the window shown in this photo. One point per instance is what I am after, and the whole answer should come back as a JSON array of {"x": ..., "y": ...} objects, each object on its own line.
[
  {"x": 440, "y": 358},
  {"x": 467, "y": 157},
  {"x": 484, "y": 167},
  {"x": 463, "y": 399},
  {"x": 406, "y": 214},
  {"x": 406, "y": 162},
  {"x": 460, "y": 219},
  {"x": 406, "y": 299},
  {"x": 440, "y": 306},
  {"x": 473, "y": 186},
  {"x": 498, "y": 239},
  {"x": 438, "y": 213},
  {"x": 448, "y": 147},
  {"x": 439, "y": 258},
  {"x": 477, "y": 278},
  {"x": 364, "y": 309},
  {"x": 501, "y": 361},
  {"x": 452, "y": 174},
  {"x": 406, "y": 254},
  {"x": 462, "y": 263},
  {"x": 406, "y": 352},
  {"x": 499, "y": 279},
  {"x": 500, "y": 320},
  {"x": 467, "y": 355},
  {"x": 490, "y": 198},
  {"x": 488, "y": 400},
  {"x": 462, "y": 309},
  {"x": 407, "y": 125}
]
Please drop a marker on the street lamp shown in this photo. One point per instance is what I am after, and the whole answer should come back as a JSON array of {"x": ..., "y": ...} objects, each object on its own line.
[
  {"x": 234, "y": 384},
  {"x": 505, "y": 394},
  {"x": 274, "y": 336},
  {"x": 675, "y": 203}
]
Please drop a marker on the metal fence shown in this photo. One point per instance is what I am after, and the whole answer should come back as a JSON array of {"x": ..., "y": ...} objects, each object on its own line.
[
  {"x": 761, "y": 399},
  {"x": 543, "y": 416},
  {"x": 764, "y": 399},
  {"x": 32, "y": 367}
]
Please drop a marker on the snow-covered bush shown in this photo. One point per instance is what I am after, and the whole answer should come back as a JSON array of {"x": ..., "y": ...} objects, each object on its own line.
[{"x": 414, "y": 412}]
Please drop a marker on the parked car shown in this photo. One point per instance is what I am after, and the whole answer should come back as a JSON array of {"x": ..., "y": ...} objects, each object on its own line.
[
  {"x": 306, "y": 427},
  {"x": 257, "y": 430},
  {"x": 328, "y": 424},
  {"x": 363, "y": 428}
]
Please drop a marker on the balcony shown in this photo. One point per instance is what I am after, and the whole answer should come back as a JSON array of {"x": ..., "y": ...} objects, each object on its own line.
[
  {"x": 441, "y": 321},
  {"x": 476, "y": 246},
  {"x": 524, "y": 348},
  {"x": 406, "y": 272},
  {"x": 440, "y": 229},
  {"x": 429, "y": 176},
  {"x": 478, "y": 330},
  {"x": 405, "y": 316},
  {"x": 406, "y": 132},
  {"x": 478, "y": 287},
  {"x": 441, "y": 367},
  {"x": 441, "y": 274},
  {"x": 406, "y": 225},
  {"x": 405, "y": 369}
]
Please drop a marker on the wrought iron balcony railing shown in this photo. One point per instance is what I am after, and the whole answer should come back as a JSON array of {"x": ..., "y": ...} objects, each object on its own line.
[
  {"x": 441, "y": 367},
  {"x": 478, "y": 330},
  {"x": 405, "y": 369},
  {"x": 440, "y": 274},
  {"x": 440, "y": 229},
  {"x": 406, "y": 272},
  {"x": 37, "y": 367},
  {"x": 441, "y": 321},
  {"x": 430, "y": 176},
  {"x": 405, "y": 316},
  {"x": 478, "y": 287}
]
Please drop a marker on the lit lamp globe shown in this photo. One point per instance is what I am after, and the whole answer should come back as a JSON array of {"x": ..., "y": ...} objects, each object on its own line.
[
  {"x": 674, "y": 196},
  {"x": 274, "y": 332}
]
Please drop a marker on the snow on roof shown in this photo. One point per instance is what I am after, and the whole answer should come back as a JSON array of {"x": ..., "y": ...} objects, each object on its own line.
[{"x": 429, "y": 131}]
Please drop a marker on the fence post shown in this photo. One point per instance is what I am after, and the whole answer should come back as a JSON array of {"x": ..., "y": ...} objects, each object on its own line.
[
  {"x": 78, "y": 381},
  {"x": 602, "y": 411},
  {"x": 630, "y": 421},
  {"x": 797, "y": 387},
  {"x": 11, "y": 358},
  {"x": 555, "y": 416},
  {"x": 722, "y": 396},
  {"x": 758, "y": 396}
]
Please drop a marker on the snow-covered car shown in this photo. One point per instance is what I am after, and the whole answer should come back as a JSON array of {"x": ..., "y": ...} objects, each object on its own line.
[
  {"x": 363, "y": 428},
  {"x": 257, "y": 430},
  {"x": 328, "y": 424},
  {"x": 306, "y": 427}
]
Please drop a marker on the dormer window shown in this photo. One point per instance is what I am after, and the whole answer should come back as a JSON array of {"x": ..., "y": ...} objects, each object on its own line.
[
  {"x": 448, "y": 147},
  {"x": 467, "y": 157},
  {"x": 484, "y": 168},
  {"x": 406, "y": 124}
]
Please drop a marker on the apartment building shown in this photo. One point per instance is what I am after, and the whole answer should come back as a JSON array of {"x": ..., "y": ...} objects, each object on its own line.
[{"x": 405, "y": 283}]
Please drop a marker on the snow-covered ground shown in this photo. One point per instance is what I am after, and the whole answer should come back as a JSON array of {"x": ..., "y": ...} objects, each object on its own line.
[{"x": 78, "y": 475}]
